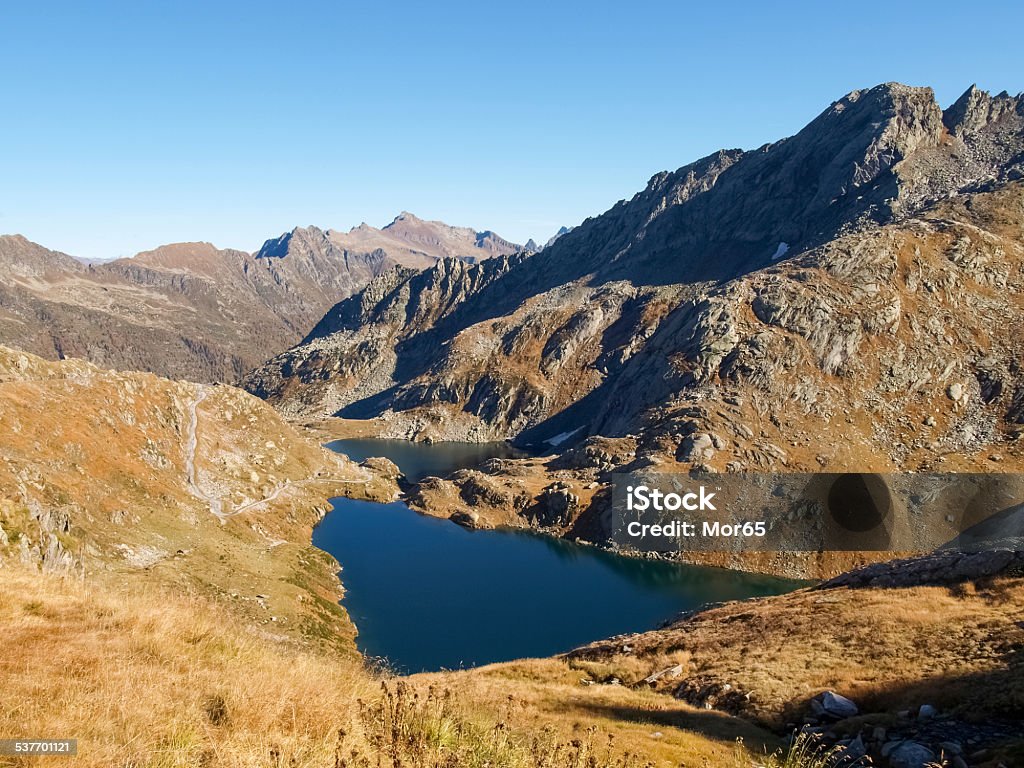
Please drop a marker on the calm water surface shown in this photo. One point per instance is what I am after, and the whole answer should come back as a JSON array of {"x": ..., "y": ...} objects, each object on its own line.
[
  {"x": 419, "y": 460},
  {"x": 427, "y": 594}
]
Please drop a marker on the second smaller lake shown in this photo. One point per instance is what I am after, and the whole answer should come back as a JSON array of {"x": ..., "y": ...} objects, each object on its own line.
[{"x": 419, "y": 460}]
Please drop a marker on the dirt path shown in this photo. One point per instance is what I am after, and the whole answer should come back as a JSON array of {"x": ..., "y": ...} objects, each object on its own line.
[
  {"x": 215, "y": 503},
  {"x": 216, "y": 506}
]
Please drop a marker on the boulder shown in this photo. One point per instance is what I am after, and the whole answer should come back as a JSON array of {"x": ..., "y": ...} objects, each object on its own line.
[
  {"x": 696, "y": 448},
  {"x": 712, "y": 693},
  {"x": 951, "y": 747},
  {"x": 465, "y": 518},
  {"x": 597, "y": 453},
  {"x": 854, "y": 749},
  {"x": 558, "y": 506},
  {"x": 832, "y": 705},
  {"x": 672, "y": 672},
  {"x": 910, "y": 754}
]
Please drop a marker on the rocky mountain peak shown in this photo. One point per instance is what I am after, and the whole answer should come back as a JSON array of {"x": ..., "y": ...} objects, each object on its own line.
[
  {"x": 408, "y": 240},
  {"x": 186, "y": 310},
  {"x": 299, "y": 237},
  {"x": 871, "y": 156},
  {"x": 495, "y": 244},
  {"x": 19, "y": 256},
  {"x": 561, "y": 231},
  {"x": 197, "y": 256},
  {"x": 404, "y": 216},
  {"x": 976, "y": 109},
  {"x": 873, "y": 130}
]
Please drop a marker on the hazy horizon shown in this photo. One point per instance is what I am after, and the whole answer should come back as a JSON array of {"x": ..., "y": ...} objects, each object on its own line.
[{"x": 135, "y": 127}]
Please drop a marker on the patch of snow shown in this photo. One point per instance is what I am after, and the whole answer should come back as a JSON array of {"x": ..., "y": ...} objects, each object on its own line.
[
  {"x": 781, "y": 251},
  {"x": 561, "y": 438}
]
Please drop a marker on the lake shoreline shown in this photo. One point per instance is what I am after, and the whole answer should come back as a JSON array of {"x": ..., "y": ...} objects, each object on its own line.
[{"x": 428, "y": 595}]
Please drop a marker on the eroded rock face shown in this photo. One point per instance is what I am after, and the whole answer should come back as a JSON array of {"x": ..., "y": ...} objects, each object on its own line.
[
  {"x": 976, "y": 110},
  {"x": 597, "y": 452},
  {"x": 939, "y": 568}
]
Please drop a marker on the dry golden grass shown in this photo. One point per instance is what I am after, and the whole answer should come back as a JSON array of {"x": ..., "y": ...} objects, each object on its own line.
[
  {"x": 546, "y": 696},
  {"x": 957, "y": 648},
  {"x": 156, "y": 679},
  {"x": 152, "y": 679},
  {"x": 107, "y": 480}
]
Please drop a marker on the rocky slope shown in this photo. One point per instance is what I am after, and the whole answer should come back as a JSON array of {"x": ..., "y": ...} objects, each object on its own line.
[
  {"x": 187, "y": 310},
  {"x": 193, "y": 311},
  {"x": 848, "y": 298},
  {"x": 109, "y": 475},
  {"x": 914, "y": 662}
]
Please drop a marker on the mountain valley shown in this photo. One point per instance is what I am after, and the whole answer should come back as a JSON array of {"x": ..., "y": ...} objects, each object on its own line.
[{"x": 848, "y": 299}]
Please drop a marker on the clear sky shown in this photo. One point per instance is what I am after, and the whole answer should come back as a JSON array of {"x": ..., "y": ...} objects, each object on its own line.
[{"x": 129, "y": 125}]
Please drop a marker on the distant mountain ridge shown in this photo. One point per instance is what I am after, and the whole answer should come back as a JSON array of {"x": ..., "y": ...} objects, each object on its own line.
[
  {"x": 561, "y": 231},
  {"x": 408, "y": 240},
  {"x": 194, "y": 311}
]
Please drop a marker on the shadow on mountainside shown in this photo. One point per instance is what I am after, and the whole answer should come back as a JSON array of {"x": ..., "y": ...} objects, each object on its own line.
[{"x": 369, "y": 407}]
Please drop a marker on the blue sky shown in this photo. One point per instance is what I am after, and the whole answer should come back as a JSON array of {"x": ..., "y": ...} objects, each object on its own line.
[{"x": 128, "y": 125}]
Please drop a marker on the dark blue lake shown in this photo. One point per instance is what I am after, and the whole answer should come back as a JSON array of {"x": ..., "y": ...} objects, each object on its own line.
[{"x": 427, "y": 594}]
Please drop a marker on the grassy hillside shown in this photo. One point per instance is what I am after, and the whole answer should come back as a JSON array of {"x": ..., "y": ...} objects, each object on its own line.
[
  {"x": 108, "y": 476},
  {"x": 943, "y": 631},
  {"x": 158, "y": 678}
]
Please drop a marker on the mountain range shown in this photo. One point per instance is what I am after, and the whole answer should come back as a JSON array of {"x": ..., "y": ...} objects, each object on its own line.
[
  {"x": 411, "y": 242},
  {"x": 193, "y": 311},
  {"x": 846, "y": 298}
]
